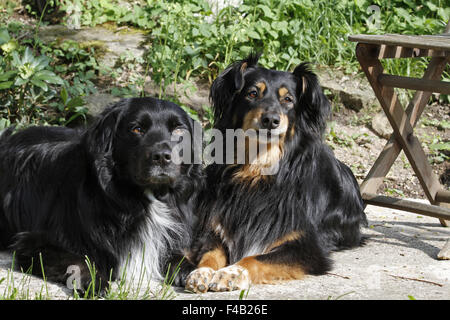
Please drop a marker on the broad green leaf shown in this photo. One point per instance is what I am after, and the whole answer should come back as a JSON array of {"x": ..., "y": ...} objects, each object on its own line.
[
  {"x": 4, "y": 36},
  {"x": 64, "y": 95},
  {"x": 440, "y": 146},
  {"x": 204, "y": 30},
  {"x": 6, "y": 75},
  {"x": 444, "y": 13},
  {"x": 75, "y": 102},
  {"x": 267, "y": 12},
  {"x": 274, "y": 34},
  {"x": 286, "y": 56},
  {"x": 431, "y": 6},
  {"x": 40, "y": 84},
  {"x": 20, "y": 81},
  {"x": 253, "y": 34},
  {"x": 280, "y": 25},
  {"x": 41, "y": 62},
  {"x": 48, "y": 76},
  {"x": 403, "y": 13},
  {"x": 6, "y": 85},
  {"x": 16, "y": 59},
  {"x": 361, "y": 3},
  {"x": 4, "y": 123},
  {"x": 28, "y": 56}
]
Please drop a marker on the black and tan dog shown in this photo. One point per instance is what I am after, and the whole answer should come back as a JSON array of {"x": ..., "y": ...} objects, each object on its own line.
[{"x": 280, "y": 217}]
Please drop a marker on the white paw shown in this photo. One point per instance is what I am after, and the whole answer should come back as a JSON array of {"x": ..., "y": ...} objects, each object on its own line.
[
  {"x": 198, "y": 280},
  {"x": 230, "y": 278}
]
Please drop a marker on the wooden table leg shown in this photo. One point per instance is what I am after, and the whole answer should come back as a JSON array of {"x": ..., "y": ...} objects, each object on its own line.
[
  {"x": 392, "y": 149},
  {"x": 402, "y": 123}
]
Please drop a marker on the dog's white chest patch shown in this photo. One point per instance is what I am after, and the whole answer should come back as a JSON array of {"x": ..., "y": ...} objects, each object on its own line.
[{"x": 155, "y": 241}]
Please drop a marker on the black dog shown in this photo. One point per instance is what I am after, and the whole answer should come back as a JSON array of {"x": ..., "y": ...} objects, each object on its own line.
[
  {"x": 111, "y": 193},
  {"x": 279, "y": 218}
]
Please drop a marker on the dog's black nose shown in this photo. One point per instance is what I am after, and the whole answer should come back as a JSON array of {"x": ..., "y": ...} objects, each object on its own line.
[
  {"x": 162, "y": 157},
  {"x": 270, "y": 120}
]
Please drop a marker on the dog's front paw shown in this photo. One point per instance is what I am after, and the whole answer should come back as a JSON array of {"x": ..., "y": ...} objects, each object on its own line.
[
  {"x": 230, "y": 278},
  {"x": 198, "y": 280}
]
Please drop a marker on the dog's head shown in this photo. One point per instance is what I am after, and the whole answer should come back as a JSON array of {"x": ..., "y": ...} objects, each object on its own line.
[
  {"x": 281, "y": 105},
  {"x": 133, "y": 140},
  {"x": 248, "y": 96}
]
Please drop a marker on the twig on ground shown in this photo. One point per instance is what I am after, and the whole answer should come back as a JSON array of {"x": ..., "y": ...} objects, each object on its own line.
[
  {"x": 415, "y": 279},
  {"x": 337, "y": 275}
]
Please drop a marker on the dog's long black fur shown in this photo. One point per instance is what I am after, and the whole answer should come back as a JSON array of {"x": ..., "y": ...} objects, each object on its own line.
[
  {"x": 106, "y": 192},
  {"x": 295, "y": 217}
]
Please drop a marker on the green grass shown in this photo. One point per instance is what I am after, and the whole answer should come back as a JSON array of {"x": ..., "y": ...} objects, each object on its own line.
[
  {"x": 18, "y": 286},
  {"x": 340, "y": 296}
]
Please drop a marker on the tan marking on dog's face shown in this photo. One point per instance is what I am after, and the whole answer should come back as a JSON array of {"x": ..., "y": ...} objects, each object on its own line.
[
  {"x": 282, "y": 92},
  {"x": 252, "y": 119},
  {"x": 253, "y": 169},
  {"x": 285, "y": 97},
  {"x": 284, "y": 123},
  {"x": 261, "y": 88}
]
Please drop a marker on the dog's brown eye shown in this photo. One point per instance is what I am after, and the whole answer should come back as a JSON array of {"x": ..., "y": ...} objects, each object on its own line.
[
  {"x": 137, "y": 130},
  {"x": 252, "y": 94},
  {"x": 287, "y": 99}
]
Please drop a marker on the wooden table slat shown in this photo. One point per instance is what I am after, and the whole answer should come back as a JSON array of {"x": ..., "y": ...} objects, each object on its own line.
[
  {"x": 436, "y": 42},
  {"x": 414, "y": 83}
]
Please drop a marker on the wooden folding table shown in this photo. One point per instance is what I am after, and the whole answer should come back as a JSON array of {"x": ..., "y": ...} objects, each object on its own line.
[{"x": 369, "y": 50}]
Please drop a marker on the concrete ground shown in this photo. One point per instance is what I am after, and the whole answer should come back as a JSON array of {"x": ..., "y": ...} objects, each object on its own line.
[{"x": 397, "y": 262}]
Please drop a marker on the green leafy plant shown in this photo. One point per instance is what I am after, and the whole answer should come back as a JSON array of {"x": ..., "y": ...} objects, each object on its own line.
[
  {"x": 32, "y": 70},
  {"x": 74, "y": 106},
  {"x": 44, "y": 84},
  {"x": 440, "y": 151},
  {"x": 187, "y": 40},
  {"x": 25, "y": 81},
  {"x": 394, "y": 192},
  {"x": 334, "y": 138}
]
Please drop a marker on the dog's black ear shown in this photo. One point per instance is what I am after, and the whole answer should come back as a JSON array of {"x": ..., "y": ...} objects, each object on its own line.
[
  {"x": 228, "y": 83},
  {"x": 100, "y": 134},
  {"x": 312, "y": 104},
  {"x": 99, "y": 138}
]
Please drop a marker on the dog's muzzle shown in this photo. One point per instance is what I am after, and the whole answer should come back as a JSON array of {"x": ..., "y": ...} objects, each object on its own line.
[{"x": 157, "y": 166}]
